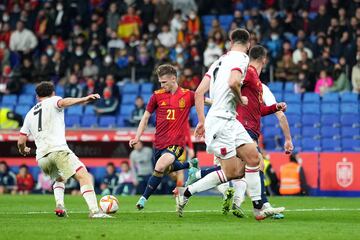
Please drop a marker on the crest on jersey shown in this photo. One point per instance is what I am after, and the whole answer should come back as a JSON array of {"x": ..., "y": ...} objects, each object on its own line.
[
  {"x": 182, "y": 103},
  {"x": 163, "y": 103},
  {"x": 344, "y": 173}
]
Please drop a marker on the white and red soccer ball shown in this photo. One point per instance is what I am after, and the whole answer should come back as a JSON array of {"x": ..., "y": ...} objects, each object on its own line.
[{"x": 109, "y": 204}]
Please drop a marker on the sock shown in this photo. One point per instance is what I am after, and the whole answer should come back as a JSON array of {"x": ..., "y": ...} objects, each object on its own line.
[
  {"x": 176, "y": 166},
  {"x": 209, "y": 170},
  {"x": 59, "y": 188},
  {"x": 254, "y": 185},
  {"x": 153, "y": 183},
  {"x": 222, "y": 188},
  {"x": 209, "y": 181},
  {"x": 263, "y": 191},
  {"x": 240, "y": 186},
  {"x": 88, "y": 193}
]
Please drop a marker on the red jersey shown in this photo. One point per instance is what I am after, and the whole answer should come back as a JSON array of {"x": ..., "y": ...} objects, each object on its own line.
[
  {"x": 172, "y": 115},
  {"x": 25, "y": 183},
  {"x": 250, "y": 114}
]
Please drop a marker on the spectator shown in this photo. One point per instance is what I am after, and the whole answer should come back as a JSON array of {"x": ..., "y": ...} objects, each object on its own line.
[
  {"x": 108, "y": 105},
  {"x": 193, "y": 23},
  {"x": 211, "y": 53},
  {"x": 7, "y": 179},
  {"x": 44, "y": 184},
  {"x": 147, "y": 12},
  {"x": 45, "y": 69},
  {"x": 144, "y": 65},
  {"x": 324, "y": 62},
  {"x": 299, "y": 49},
  {"x": 138, "y": 112},
  {"x": 129, "y": 25},
  {"x": 110, "y": 83},
  {"x": 355, "y": 75},
  {"x": 110, "y": 180},
  {"x": 90, "y": 87},
  {"x": 341, "y": 82},
  {"x": 9, "y": 119},
  {"x": 286, "y": 70},
  {"x": 24, "y": 181},
  {"x": 78, "y": 57},
  {"x": 292, "y": 178},
  {"x": 112, "y": 17},
  {"x": 186, "y": 6},
  {"x": 323, "y": 83},
  {"x": 176, "y": 23},
  {"x": 163, "y": 12},
  {"x": 9, "y": 84},
  {"x": 127, "y": 180},
  {"x": 188, "y": 80},
  {"x": 72, "y": 187},
  {"x": 72, "y": 88},
  {"x": 141, "y": 165},
  {"x": 321, "y": 21},
  {"x": 23, "y": 40},
  {"x": 27, "y": 70},
  {"x": 115, "y": 43},
  {"x": 216, "y": 28},
  {"x": 108, "y": 67},
  {"x": 90, "y": 69},
  {"x": 62, "y": 21},
  {"x": 271, "y": 181},
  {"x": 166, "y": 38}
]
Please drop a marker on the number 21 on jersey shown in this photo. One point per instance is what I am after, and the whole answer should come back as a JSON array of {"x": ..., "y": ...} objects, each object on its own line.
[{"x": 170, "y": 114}]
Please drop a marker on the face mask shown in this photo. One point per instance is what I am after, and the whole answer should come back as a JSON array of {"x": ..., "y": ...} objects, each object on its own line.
[
  {"x": 49, "y": 51},
  {"x": 5, "y": 18},
  {"x": 2, "y": 45},
  {"x": 180, "y": 60},
  {"x": 108, "y": 60},
  {"x": 211, "y": 45},
  {"x": 178, "y": 49},
  {"x": 59, "y": 7},
  {"x": 152, "y": 28},
  {"x": 92, "y": 54},
  {"x": 274, "y": 37},
  {"x": 192, "y": 16}
]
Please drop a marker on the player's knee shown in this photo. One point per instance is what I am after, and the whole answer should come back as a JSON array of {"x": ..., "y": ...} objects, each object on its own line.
[{"x": 253, "y": 159}]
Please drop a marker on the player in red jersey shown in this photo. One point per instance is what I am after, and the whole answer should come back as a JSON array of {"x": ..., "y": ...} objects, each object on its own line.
[{"x": 172, "y": 105}]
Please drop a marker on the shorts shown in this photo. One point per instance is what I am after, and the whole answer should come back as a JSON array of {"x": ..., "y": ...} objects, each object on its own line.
[
  {"x": 223, "y": 136},
  {"x": 255, "y": 137},
  {"x": 62, "y": 164},
  {"x": 177, "y": 151}
]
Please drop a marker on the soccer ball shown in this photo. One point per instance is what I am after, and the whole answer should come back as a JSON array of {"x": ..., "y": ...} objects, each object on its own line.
[{"x": 109, "y": 204}]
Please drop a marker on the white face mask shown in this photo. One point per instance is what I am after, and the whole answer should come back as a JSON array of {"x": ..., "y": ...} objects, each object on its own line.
[
  {"x": 192, "y": 16},
  {"x": 178, "y": 49},
  {"x": 274, "y": 37},
  {"x": 50, "y": 51},
  {"x": 5, "y": 18},
  {"x": 108, "y": 59},
  {"x": 78, "y": 53},
  {"x": 211, "y": 45},
  {"x": 2, "y": 45},
  {"x": 59, "y": 7}
]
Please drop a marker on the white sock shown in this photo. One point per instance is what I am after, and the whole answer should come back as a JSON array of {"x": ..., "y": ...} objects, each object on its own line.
[
  {"x": 240, "y": 186},
  {"x": 209, "y": 181},
  {"x": 59, "y": 188},
  {"x": 88, "y": 193},
  {"x": 222, "y": 188},
  {"x": 252, "y": 177}
]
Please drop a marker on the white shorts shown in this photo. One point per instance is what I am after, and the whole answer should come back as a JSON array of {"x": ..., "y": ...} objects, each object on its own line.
[
  {"x": 62, "y": 164},
  {"x": 223, "y": 136}
]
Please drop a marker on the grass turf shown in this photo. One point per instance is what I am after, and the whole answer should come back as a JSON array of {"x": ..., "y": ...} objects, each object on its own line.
[{"x": 31, "y": 217}]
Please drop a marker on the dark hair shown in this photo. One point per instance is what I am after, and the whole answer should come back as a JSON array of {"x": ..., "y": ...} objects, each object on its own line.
[
  {"x": 110, "y": 164},
  {"x": 293, "y": 158},
  {"x": 166, "y": 69},
  {"x": 240, "y": 35},
  {"x": 24, "y": 166},
  {"x": 44, "y": 89},
  {"x": 257, "y": 52}
]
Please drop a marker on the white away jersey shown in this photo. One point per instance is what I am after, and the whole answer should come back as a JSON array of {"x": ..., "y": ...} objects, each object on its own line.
[
  {"x": 224, "y": 104},
  {"x": 268, "y": 96},
  {"x": 45, "y": 122}
]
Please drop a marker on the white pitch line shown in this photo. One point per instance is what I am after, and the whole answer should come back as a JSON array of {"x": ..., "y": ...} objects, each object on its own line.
[{"x": 189, "y": 211}]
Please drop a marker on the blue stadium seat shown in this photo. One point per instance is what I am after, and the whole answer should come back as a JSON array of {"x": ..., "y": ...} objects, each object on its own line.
[
  {"x": 350, "y": 120},
  {"x": 72, "y": 120},
  {"x": 126, "y": 110},
  {"x": 29, "y": 89},
  {"x": 89, "y": 121},
  {"x": 207, "y": 19},
  {"x": 349, "y": 108},
  {"x": 26, "y": 99},
  {"x": 225, "y": 21},
  {"x": 350, "y": 145},
  {"x": 276, "y": 87},
  {"x": 310, "y": 144},
  {"x": 311, "y": 98},
  {"x": 293, "y": 108},
  {"x": 8, "y": 106},
  {"x": 121, "y": 121},
  {"x": 312, "y": 120},
  {"x": 289, "y": 87},
  {"x": 311, "y": 132},
  {"x": 89, "y": 110},
  {"x": 292, "y": 98},
  {"x": 75, "y": 110},
  {"x": 10, "y": 99},
  {"x": 295, "y": 132},
  {"x": 59, "y": 90},
  {"x": 147, "y": 88},
  {"x": 107, "y": 121},
  {"x": 270, "y": 121},
  {"x": 270, "y": 143},
  {"x": 330, "y": 98},
  {"x": 271, "y": 132},
  {"x": 331, "y": 145},
  {"x": 349, "y": 97},
  {"x": 311, "y": 108},
  {"x": 22, "y": 109},
  {"x": 131, "y": 88},
  {"x": 278, "y": 96},
  {"x": 146, "y": 97},
  {"x": 129, "y": 98},
  {"x": 294, "y": 120},
  {"x": 297, "y": 144},
  {"x": 331, "y": 120},
  {"x": 330, "y": 132},
  {"x": 312, "y": 15},
  {"x": 330, "y": 108},
  {"x": 350, "y": 132}
]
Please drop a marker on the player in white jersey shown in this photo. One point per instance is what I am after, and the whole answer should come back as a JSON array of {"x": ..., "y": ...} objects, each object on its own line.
[
  {"x": 224, "y": 135},
  {"x": 45, "y": 122}
]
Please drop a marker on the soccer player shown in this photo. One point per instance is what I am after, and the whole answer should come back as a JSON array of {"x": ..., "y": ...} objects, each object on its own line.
[
  {"x": 45, "y": 122},
  {"x": 224, "y": 135},
  {"x": 172, "y": 105}
]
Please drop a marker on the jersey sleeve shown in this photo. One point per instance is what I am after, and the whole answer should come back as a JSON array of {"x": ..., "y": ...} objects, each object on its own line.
[
  {"x": 152, "y": 104},
  {"x": 192, "y": 98},
  {"x": 240, "y": 65},
  {"x": 210, "y": 72},
  {"x": 25, "y": 129},
  {"x": 268, "y": 96},
  {"x": 55, "y": 101}
]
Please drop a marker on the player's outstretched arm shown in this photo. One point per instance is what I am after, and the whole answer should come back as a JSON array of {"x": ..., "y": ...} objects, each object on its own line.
[
  {"x": 141, "y": 128},
  {"x": 235, "y": 86},
  {"x": 67, "y": 102},
  {"x": 288, "y": 145},
  {"x": 23, "y": 149},
  {"x": 200, "y": 103}
]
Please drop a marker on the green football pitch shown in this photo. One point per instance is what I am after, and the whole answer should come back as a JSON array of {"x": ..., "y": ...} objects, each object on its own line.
[{"x": 31, "y": 217}]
